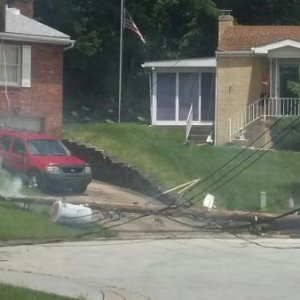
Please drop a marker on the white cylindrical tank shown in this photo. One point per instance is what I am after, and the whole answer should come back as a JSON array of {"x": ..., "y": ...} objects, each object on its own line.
[{"x": 67, "y": 213}]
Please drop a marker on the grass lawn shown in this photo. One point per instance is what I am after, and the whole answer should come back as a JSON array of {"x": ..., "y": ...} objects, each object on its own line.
[
  {"x": 10, "y": 292},
  {"x": 17, "y": 224},
  {"x": 161, "y": 153}
]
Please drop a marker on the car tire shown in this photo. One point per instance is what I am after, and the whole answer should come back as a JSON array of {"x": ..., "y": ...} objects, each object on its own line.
[
  {"x": 80, "y": 189},
  {"x": 35, "y": 180}
]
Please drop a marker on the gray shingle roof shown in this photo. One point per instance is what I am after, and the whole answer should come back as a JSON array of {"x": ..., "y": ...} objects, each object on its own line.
[
  {"x": 193, "y": 62},
  {"x": 19, "y": 24}
]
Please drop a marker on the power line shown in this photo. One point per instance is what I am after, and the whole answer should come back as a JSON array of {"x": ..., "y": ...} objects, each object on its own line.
[
  {"x": 244, "y": 160},
  {"x": 174, "y": 207},
  {"x": 238, "y": 154}
]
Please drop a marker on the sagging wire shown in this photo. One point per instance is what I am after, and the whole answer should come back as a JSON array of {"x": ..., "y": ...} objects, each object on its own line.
[
  {"x": 239, "y": 153},
  {"x": 175, "y": 207},
  {"x": 278, "y": 137},
  {"x": 5, "y": 78}
]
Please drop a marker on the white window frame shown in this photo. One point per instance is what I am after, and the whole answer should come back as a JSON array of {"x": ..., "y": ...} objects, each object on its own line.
[
  {"x": 154, "y": 120},
  {"x": 23, "y": 67},
  {"x": 3, "y": 61}
]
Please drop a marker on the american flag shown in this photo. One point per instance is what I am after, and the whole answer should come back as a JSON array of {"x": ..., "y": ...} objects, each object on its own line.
[{"x": 129, "y": 24}]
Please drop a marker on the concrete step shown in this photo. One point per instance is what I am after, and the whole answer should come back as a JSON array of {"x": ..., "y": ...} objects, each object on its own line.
[
  {"x": 200, "y": 133},
  {"x": 201, "y": 130},
  {"x": 240, "y": 143}
]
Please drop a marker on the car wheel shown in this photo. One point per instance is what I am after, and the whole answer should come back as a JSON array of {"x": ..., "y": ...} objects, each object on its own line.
[{"x": 36, "y": 181}]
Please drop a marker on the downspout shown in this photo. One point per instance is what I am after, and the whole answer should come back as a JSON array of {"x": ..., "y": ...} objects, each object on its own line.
[
  {"x": 71, "y": 46},
  {"x": 151, "y": 93},
  {"x": 216, "y": 103},
  {"x": 150, "y": 73}
]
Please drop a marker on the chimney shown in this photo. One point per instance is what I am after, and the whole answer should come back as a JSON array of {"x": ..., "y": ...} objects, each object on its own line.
[
  {"x": 2, "y": 15},
  {"x": 25, "y": 7},
  {"x": 225, "y": 20}
]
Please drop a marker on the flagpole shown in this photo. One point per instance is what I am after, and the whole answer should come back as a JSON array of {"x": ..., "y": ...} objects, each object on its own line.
[{"x": 121, "y": 58}]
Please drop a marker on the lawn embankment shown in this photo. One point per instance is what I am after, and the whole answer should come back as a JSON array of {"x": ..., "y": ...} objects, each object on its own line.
[
  {"x": 162, "y": 154},
  {"x": 10, "y": 292}
]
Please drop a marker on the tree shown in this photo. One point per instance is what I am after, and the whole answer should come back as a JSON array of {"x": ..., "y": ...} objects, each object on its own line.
[
  {"x": 173, "y": 29},
  {"x": 267, "y": 12}
]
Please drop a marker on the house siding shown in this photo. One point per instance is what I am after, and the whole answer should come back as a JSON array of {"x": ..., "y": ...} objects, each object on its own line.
[
  {"x": 238, "y": 85},
  {"x": 44, "y": 99}
]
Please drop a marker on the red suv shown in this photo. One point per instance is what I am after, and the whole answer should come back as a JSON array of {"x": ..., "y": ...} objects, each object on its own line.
[{"x": 43, "y": 161}]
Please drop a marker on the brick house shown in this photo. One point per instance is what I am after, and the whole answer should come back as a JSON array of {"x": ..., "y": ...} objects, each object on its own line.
[
  {"x": 31, "y": 77},
  {"x": 253, "y": 67}
]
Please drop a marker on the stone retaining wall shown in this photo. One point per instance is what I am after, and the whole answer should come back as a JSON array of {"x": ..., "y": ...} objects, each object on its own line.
[{"x": 106, "y": 169}]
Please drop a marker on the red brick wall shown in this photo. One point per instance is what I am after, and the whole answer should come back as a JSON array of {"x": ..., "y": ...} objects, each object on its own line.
[
  {"x": 45, "y": 96},
  {"x": 25, "y": 7}
]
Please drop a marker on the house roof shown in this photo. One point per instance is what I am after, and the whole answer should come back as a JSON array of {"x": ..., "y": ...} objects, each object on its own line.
[
  {"x": 181, "y": 63},
  {"x": 243, "y": 38},
  {"x": 20, "y": 27}
]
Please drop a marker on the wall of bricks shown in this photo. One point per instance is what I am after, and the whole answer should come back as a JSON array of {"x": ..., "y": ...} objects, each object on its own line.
[
  {"x": 25, "y": 7},
  {"x": 44, "y": 99},
  {"x": 109, "y": 170},
  {"x": 239, "y": 84}
]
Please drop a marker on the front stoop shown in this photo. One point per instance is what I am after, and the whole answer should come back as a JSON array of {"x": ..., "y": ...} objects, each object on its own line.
[
  {"x": 199, "y": 134},
  {"x": 260, "y": 127}
]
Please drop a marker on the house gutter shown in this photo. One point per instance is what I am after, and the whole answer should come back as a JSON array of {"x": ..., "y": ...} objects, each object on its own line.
[
  {"x": 235, "y": 53},
  {"x": 36, "y": 39},
  {"x": 71, "y": 46}
]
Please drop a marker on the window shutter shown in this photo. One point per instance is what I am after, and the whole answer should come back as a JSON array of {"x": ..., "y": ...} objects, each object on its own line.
[{"x": 26, "y": 66}]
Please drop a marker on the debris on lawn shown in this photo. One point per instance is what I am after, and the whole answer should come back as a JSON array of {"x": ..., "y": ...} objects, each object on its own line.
[
  {"x": 208, "y": 201},
  {"x": 62, "y": 212}
]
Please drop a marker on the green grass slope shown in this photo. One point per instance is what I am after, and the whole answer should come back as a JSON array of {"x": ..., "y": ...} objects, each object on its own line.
[
  {"x": 162, "y": 154},
  {"x": 10, "y": 292}
]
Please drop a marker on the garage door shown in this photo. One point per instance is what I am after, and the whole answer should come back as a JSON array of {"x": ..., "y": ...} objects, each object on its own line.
[{"x": 23, "y": 123}]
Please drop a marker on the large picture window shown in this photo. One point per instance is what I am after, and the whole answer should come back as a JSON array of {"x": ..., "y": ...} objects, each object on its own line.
[
  {"x": 10, "y": 65},
  {"x": 176, "y": 91}
]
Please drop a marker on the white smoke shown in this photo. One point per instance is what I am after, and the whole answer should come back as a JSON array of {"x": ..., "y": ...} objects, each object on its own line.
[{"x": 9, "y": 186}]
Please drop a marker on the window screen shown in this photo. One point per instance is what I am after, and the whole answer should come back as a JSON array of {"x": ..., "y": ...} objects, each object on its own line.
[{"x": 166, "y": 95}]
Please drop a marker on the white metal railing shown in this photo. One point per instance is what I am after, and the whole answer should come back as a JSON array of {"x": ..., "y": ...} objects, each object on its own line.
[
  {"x": 262, "y": 108},
  {"x": 189, "y": 122}
]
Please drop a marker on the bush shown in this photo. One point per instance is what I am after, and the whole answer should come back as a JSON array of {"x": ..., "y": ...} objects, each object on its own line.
[{"x": 286, "y": 134}]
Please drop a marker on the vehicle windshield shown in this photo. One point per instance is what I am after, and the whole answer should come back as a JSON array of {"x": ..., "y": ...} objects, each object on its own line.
[{"x": 47, "y": 147}]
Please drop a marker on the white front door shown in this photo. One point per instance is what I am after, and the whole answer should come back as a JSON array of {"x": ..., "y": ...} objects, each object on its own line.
[{"x": 208, "y": 97}]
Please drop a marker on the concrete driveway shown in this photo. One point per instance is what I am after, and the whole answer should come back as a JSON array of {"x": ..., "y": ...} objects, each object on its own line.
[
  {"x": 158, "y": 269},
  {"x": 105, "y": 193},
  {"x": 131, "y": 205}
]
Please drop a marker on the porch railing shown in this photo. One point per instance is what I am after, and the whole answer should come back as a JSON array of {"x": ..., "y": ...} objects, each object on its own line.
[
  {"x": 262, "y": 108},
  {"x": 189, "y": 123}
]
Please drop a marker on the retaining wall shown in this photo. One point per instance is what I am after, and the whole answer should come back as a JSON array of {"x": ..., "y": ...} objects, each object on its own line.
[{"x": 107, "y": 169}]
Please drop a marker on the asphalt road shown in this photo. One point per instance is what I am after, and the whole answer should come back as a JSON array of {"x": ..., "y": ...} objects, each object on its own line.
[{"x": 158, "y": 269}]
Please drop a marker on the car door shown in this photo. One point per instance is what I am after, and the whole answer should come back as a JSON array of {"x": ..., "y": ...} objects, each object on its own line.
[
  {"x": 18, "y": 156},
  {"x": 5, "y": 143}
]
